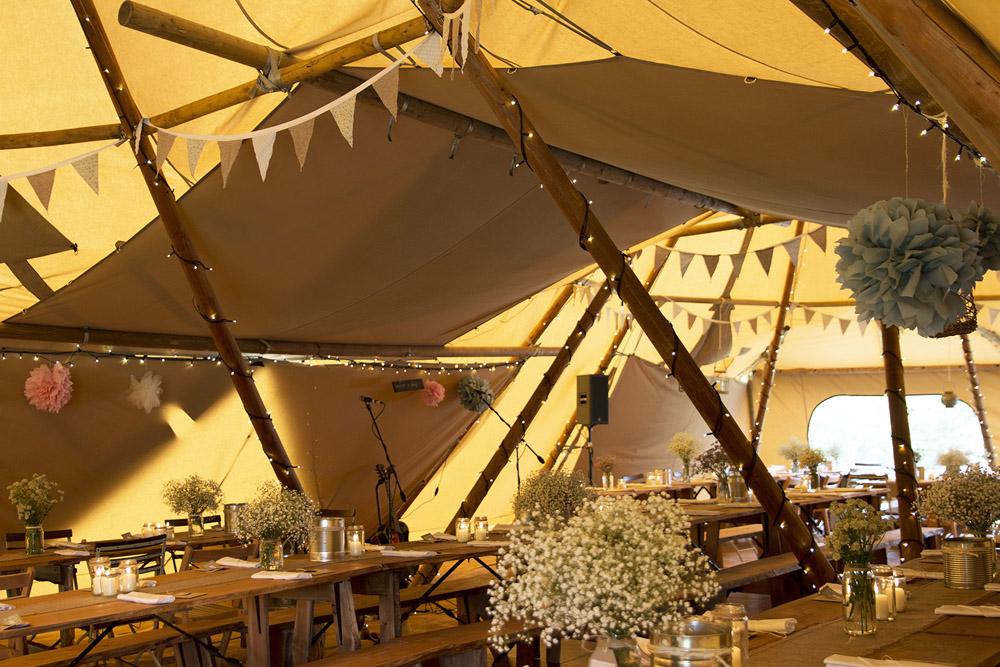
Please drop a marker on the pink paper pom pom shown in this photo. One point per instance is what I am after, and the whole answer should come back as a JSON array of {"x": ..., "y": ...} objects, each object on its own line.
[
  {"x": 433, "y": 393},
  {"x": 49, "y": 388}
]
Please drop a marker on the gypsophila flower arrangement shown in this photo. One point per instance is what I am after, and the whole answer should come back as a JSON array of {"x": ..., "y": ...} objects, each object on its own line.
[
  {"x": 474, "y": 393},
  {"x": 714, "y": 461},
  {"x": 952, "y": 459},
  {"x": 551, "y": 493},
  {"x": 192, "y": 495},
  {"x": 792, "y": 451},
  {"x": 277, "y": 514},
  {"x": 683, "y": 446},
  {"x": 857, "y": 528},
  {"x": 606, "y": 464},
  {"x": 619, "y": 568},
  {"x": 33, "y": 498},
  {"x": 811, "y": 459},
  {"x": 971, "y": 498}
]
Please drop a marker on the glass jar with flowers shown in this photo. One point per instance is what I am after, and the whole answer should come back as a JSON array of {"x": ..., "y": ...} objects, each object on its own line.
[
  {"x": 792, "y": 452},
  {"x": 857, "y": 528},
  {"x": 971, "y": 499},
  {"x": 192, "y": 496},
  {"x": 276, "y": 517},
  {"x": 683, "y": 446},
  {"x": 606, "y": 465},
  {"x": 812, "y": 458},
  {"x": 551, "y": 493},
  {"x": 952, "y": 459},
  {"x": 619, "y": 568},
  {"x": 33, "y": 499},
  {"x": 715, "y": 461}
]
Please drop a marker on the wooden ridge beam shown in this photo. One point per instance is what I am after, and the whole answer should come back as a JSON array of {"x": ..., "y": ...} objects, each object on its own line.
[
  {"x": 595, "y": 239},
  {"x": 912, "y": 537},
  {"x": 833, "y": 303},
  {"x": 771, "y": 360},
  {"x": 977, "y": 398},
  {"x": 157, "y": 341}
]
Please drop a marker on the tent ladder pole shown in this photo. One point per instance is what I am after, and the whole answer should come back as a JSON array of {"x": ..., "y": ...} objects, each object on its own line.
[
  {"x": 780, "y": 329},
  {"x": 171, "y": 215},
  {"x": 977, "y": 398},
  {"x": 594, "y": 239},
  {"x": 912, "y": 537}
]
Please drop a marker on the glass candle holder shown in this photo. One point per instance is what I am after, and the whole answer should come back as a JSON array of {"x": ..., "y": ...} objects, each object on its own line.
[
  {"x": 98, "y": 570},
  {"x": 149, "y": 529},
  {"x": 859, "y": 599},
  {"x": 900, "y": 582},
  {"x": 735, "y": 616},
  {"x": 885, "y": 593},
  {"x": 128, "y": 579},
  {"x": 482, "y": 527},
  {"x": 463, "y": 529},
  {"x": 692, "y": 642},
  {"x": 355, "y": 540},
  {"x": 109, "y": 583}
]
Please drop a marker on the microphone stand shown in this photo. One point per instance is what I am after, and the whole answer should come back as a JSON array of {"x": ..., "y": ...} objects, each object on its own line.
[
  {"x": 391, "y": 474},
  {"x": 517, "y": 456}
]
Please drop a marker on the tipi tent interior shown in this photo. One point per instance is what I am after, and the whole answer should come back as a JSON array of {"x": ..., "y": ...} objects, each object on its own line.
[{"x": 250, "y": 240}]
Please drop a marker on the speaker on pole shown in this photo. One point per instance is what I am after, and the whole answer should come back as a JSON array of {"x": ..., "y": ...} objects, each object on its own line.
[{"x": 591, "y": 399}]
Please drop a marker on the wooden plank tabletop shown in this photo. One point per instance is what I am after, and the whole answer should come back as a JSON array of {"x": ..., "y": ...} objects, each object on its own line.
[
  {"x": 17, "y": 560},
  {"x": 916, "y": 634}
]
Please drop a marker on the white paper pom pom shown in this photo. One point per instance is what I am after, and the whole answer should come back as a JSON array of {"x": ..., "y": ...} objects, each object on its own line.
[{"x": 145, "y": 393}]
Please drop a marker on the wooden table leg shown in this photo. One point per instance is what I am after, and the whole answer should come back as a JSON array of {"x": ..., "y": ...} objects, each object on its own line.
[
  {"x": 190, "y": 653},
  {"x": 711, "y": 543},
  {"x": 348, "y": 637},
  {"x": 258, "y": 639},
  {"x": 67, "y": 582},
  {"x": 389, "y": 615},
  {"x": 302, "y": 631}
]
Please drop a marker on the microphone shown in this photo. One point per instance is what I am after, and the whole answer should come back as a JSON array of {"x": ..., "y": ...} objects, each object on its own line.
[{"x": 369, "y": 399}]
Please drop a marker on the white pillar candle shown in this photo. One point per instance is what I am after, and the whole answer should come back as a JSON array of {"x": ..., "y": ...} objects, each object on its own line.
[
  {"x": 96, "y": 584},
  {"x": 462, "y": 533},
  {"x": 900, "y": 599},
  {"x": 355, "y": 547},
  {"x": 109, "y": 586},
  {"x": 127, "y": 582},
  {"x": 737, "y": 657},
  {"x": 882, "y": 607}
]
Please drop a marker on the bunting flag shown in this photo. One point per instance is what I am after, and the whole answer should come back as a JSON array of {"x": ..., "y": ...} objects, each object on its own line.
[
  {"x": 765, "y": 256},
  {"x": 263, "y": 148},
  {"x": 752, "y": 323},
  {"x": 685, "y": 259},
  {"x": 819, "y": 237},
  {"x": 826, "y": 320},
  {"x": 810, "y": 314},
  {"x": 88, "y": 168},
  {"x": 3, "y": 196},
  {"x": 711, "y": 263},
  {"x": 737, "y": 263},
  {"x": 736, "y": 327},
  {"x": 387, "y": 88},
  {"x": 862, "y": 326},
  {"x": 993, "y": 312},
  {"x": 674, "y": 310},
  {"x": 767, "y": 318},
  {"x": 792, "y": 248},
  {"x": 195, "y": 147},
  {"x": 228, "y": 150},
  {"x": 41, "y": 183},
  {"x": 692, "y": 318},
  {"x": 343, "y": 113},
  {"x": 301, "y": 136},
  {"x": 164, "y": 142},
  {"x": 843, "y": 325},
  {"x": 431, "y": 53}
]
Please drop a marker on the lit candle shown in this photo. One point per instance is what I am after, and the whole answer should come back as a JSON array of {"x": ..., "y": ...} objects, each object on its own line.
[
  {"x": 109, "y": 584},
  {"x": 737, "y": 657},
  {"x": 462, "y": 530},
  {"x": 482, "y": 529},
  {"x": 355, "y": 540},
  {"x": 148, "y": 529},
  {"x": 882, "y": 607},
  {"x": 900, "y": 599},
  {"x": 127, "y": 582},
  {"x": 96, "y": 584}
]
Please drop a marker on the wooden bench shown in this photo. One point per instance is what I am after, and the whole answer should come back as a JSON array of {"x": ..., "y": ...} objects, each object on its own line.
[
  {"x": 754, "y": 571},
  {"x": 461, "y": 646}
]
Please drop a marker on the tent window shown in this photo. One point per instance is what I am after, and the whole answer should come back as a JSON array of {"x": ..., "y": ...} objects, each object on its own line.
[{"x": 856, "y": 428}]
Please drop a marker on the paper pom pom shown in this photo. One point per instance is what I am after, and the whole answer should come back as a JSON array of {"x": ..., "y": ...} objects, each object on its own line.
[
  {"x": 49, "y": 388},
  {"x": 474, "y": 393},
  {"x": 982, "y": 221},
  {"x": 145, "y": 393},
  {"x": 432, "y": 394},
  {"x": 906, "y": 261}
]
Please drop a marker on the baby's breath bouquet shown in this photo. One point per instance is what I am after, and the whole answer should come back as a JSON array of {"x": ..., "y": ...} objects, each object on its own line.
[
  {"x": 857, "y": 528},
  {"x": 683, "y": 446},
  {"x": 952, "y": 459},
  {"x": 33, "y": 498},
  {"x": 971, "y": 498},
  {"x": 277, "y": 514},
  {"x": 715, "y": 461},
  {"x": 192, "y": 495},
  {"x": 551, "y": 493},
  {"x": 619, "y": 568},
  {"x": 606, "y": 464},
  {"x": 811, "y": 459},
  {"x": 792, "y": 451}
]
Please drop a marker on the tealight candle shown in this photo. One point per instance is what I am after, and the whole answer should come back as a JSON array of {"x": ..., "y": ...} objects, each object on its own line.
[
  {"x": 128, "y": 580},
  {"x": 148, "y": 529},
  {"x": 882, "y": 607},
  {"x": 355, "y": 540},
  {"x": 462, "y": 529},
  {"x": 900, "y": 582},
  {"x": 482, "y": 529}
]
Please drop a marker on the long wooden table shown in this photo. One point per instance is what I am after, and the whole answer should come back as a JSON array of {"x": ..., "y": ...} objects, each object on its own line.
[
  {"x": 373, "y": 571},
  {"x": 916, "y": 634}
]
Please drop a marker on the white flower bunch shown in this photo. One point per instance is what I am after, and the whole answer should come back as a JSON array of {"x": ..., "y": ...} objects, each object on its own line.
[
  {"x": 972, "y": 498},
  {"x": 811, "y": 458},
  {"x": 192, "y": 495},
  {"x": 619, "y": 568},
  {"x": 952, "y": 458},
  {"x": 857, "y": 528},
  {"x": 33, "y": 498},
  {"x": 277, "y": 513},
  {"x": 793, "y": 450},
  {"x": 551, "y": 493},
  {"x": 683, "y": 446}
]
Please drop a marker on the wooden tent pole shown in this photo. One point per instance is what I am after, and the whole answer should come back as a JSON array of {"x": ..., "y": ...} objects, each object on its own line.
[
  {"x": 592, "y": 237},
  {"x": 912, "y": 542},
  {"x": 170, "y": 212},
  {"x": 770, "y": 363},
  {"x": 977, "y": 398}
]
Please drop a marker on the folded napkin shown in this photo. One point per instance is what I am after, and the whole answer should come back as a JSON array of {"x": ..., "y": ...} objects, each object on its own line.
[
  {"x": 229, "y": 561},
  {"x": 379, "y": 547},
  {"x": 71, "y": 552},
  {"x": 488, "y": 543},
  {"x": 993, "y": 587},
  {"x": 830, "y": 593},
  {"x": 987, "y": 610},
  {"x": 855, "y": 661},
  {"x": 919, "y": 574},
  {"x": 442, "y": 537},
  {"x": 11, "y": 621},
  {"x": 410, "y": 553},
  {"x": 280, "y": 575},
  {"x": 6, "y": 607},
  {"x": 777, "y": 626},
  {"x": 73, "y": 545},
  {"x": 145, "y": 598}
]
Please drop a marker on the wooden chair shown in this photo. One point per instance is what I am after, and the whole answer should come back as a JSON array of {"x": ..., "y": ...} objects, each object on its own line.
[
  {"x": 148, "y": 552},
  {"x": 17, "y": 585},
  {"x": 207, "y": 520},
  {"x": 52, "y": 574}
]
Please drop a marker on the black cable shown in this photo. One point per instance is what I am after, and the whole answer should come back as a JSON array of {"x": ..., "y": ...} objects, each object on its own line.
[
  {"x": 196, "y": 263},
  {"x": 564, "y": 22}
]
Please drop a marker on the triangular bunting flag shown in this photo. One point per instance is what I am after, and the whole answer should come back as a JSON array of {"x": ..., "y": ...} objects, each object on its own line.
[
  {"x": 195, "y": 147},
  {"x": 164, "y": 142},
  {"x": 685, "y": 259},
  {"x": 810, "y": 314},
  {"x": 737, "y": 261},
  {"x": 764, "y": 256},
  {"x": 228, "y": 150},
  {"x": 301, "y": 136},
  {"x": 431, "y": 53},
  {"x": 3, "y": 197},
  {"x": 819, "y": 237},
  {"x": 767, "y": 317},
  {"x": 753, "y": 325},
  {"x": 42, "y": 185},
  {"x": 711, "y": 263},
  {"x": 263, "y": 148},
  {"x": 691, "y": 320},
  {"x": 992, "y": 314},
  {"x": 674, "y": 310},
  {"x": 343, "y": 113},
  {"x": 388, "y": 89},
  {"x": 826, "y": 320},
  {"x": 843, "y": 325},
  {"x": 736, "y": 327},
  {"x": 862, "y": 325},
  {"x": 88, "y": 170},
  {"x": 792, "y": 248}
]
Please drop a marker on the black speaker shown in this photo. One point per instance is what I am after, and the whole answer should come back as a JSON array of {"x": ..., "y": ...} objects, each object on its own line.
[{"x": 591, "y": 399}]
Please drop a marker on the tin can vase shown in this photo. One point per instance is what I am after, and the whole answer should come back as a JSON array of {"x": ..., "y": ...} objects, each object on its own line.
[{"x": 969, "y": 562}]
